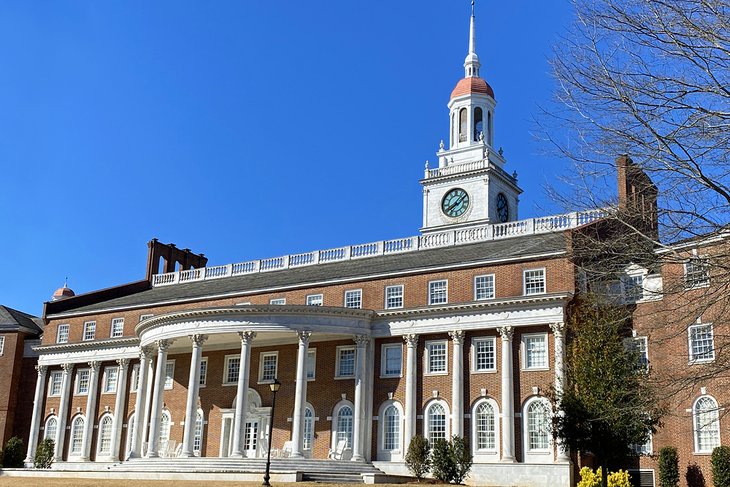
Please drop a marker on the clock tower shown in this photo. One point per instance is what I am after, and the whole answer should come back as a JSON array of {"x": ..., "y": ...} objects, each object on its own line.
[{"x": 470, "y": 185}]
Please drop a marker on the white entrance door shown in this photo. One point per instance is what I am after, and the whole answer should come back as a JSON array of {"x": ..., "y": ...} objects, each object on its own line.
[{"x": 251, "y": 438}]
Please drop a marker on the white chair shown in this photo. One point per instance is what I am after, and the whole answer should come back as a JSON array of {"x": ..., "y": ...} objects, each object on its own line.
[
  {"x": 339, "y": 450},
  {"x": 286, "y": 451}
]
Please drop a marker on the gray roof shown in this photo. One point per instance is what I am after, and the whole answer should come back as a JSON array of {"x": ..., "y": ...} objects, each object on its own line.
[
  {"x": 12, "y": 319},
  {"x": 356, "y": 269}
]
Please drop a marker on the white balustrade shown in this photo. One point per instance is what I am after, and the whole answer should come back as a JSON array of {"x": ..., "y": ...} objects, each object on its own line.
[{"x": 457, "y": 168}]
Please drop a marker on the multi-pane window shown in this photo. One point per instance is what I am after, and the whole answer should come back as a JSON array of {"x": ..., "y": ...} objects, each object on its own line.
[
  {"x": 344, "y": 425},
  {"x": 536, "y": 351},
  {"x": 484, "y": 354},
  {"x": 165, "y": 423},
  {"x": 198, "y": 433},
  {"x": 391, "y": 428},
  {"x": 436, "y": 357},
  {"x": 391, "y": 360},
  {"x": 353, "y": 298},
  {"x": 634, "y": 287},
  {"x": 135, "y": 378},
  {"x": 645, "y": 448},
  {"x": 394, "y": 297},
  {"x": 484, "y": 424},
  {"x": 110, "y": 379},
  {"x": 641, "y": 347},
  {"x": 169, "y": 374},
  {"x": 2, "y": 345},
  {"x": 117, "y": 327},
  {"x": 51, "y": 428},
  {"x": 701, "y": 343},
  {"x": 105, "y": 435},
  {"x": 311, "y": 363},
  {"x": 314, "y": 300},
  {"x": 82, "y": 381},
  {"x": 279, "y": 301},
  {"x": 534, "y": 281},
  {"x": 203, "y": 371},
  {"x": 145, "y": 316},
  {"x": 267, "y": 366},
  {"x": 438, "y": 292},
  {"x": 436, "y": 417},
  {"x": 538, "y": 426},
  {"x": 62, "y": 335},
  {"x": 308, "y": 428},
  {"x": 77, "y": 435},
  {"x": 706, "y": 417},
  {"x": 484, "y": 287},
  {"x": 345, "y": 361},
  {"x": 251, "y": 435},
  {"x": 54, "y": 389},
  {"x": 696, "y": 272},
  {"x": 89, "y": 330},
  {"x": 233, "y": 364}
]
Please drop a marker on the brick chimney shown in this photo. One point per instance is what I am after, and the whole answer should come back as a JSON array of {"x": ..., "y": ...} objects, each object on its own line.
[{"x": 171, "y": 257}]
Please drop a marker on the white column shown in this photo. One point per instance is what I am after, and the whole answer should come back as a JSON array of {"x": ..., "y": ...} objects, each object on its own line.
[
  {"x": 559, "y": 334},
  {"x": 63, "y": 410},
  {"x": 157, "y": 398},
  {"x": 119, "y": 409},
  {"x": 361, "y": 342},
  {"x": 457, "y": 383},
  {"x": 409, "y": 430},
  {"x": 35, "y": 422},
  {"x": 145, "y": 357},
  {"x": 239, "y": 421},
  {"x": 300, "y": 395},
  {"x": 148, "y": 397},
  {"x": 90, "y": 409},
  {"x": 508, "y": 396},
  {"x": 191, "y": 411}
]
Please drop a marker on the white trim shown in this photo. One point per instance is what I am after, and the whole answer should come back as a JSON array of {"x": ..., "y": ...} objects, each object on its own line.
[
  {"x": 108, "y": 369},
  {"x": 55, "y": 373},
  {"x": 87, "y": 325},
  {"x": 695, "y": 431},
  {"x": 145, "y": 316},
  {"x": 430, "y": 291},
  {"x": 523, "y": 347},
  {"x": 77, "y": 382},
  {"x": 314, "y": 297},
  {"x": 494, "y": 287},
  {"x": 312, "y": 351},
  {"x": 226, "y": 360},
  {"x": 339, "y": 349},
  {"x": 114, "y": 321},
  {"x": 334, "y": 426},
  {"x": 383, "y": 361},
  {"x": 262, "y": 355},
  {"x": 693, "y": 360},
  {"x": 427, "y": 357},
  {"x": 488, "y": 455},
  {"x": 524, "y": 281},
  {"x": 67, "y": 327},
  {"x": 390, "y": 455},
  {"x": 402, "y": 296},
  {"x": 171, "y": 376},
  {"x": 110, "y": 453},
  {"x": 277, "y": 301},
  {"x": 426, "y": 417},
  {"x": 344, "y": 299},
  {"x": 473, "y": 354},
  {"x": 203, "y": 377},
  {"x": 541, "y": 455},
  {"x": 71, "y": 436}
]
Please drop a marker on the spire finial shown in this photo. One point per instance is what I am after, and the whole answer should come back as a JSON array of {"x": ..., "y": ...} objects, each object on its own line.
[{"x": 471, "y": 63}]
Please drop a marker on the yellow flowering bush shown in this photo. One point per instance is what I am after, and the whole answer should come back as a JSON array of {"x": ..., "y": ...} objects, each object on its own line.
[{"x": 589, "y": 478}]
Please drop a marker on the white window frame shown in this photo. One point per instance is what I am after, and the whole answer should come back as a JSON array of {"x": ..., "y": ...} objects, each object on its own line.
[
  {"x": 198, "y": 431},
  {"x": 315, "y": 300},
  {"x": 311, "y": 352},
  {"x": 99, "y": 452},
  {"x": 353, "y": 292},
  {"x": 226, "y": 368},
  {"x": 524, "y": 339},
  {"x": 262, "y": 356},
  {"x": 308, "y": 427},
  {"x": 52, "y": 381},
  {"x": 77, "y": 385},
  {"x": 487, "y": 454},
  {"x": 134, "y": 384},
  {"x": 277, "y": 301},
  {"x": 67, "y": 328},
  {"x": 433, "y": 292},
  {"x": 692, "y": 358},
  {"x": 89, "y": 331},
  {"x": 145, "y": 316},
  {"x": 73, "y": 441},
  {"x": 383, "y": 359},
  {"x": 2, "y": 345},
  {"x": 400, "y": 296},
  {"x": 526, "y": 430},
  {"x": 644, "y": 449},
  {"x": 476, "y": 288},
  {"x": 169, "y": 378},
  {"x": 335, "y": 423},
  {"x": 524, "y": 282},
  {"x": 427, "y": 418},
  {"x": 474, "y": 342},
  {"x": 427, "y": 357},
  {"x": 701, "y": 261},
  {"x": 105, "y": 389},
  {"x": 116, "y": 322},
  {"x": 50, "y": 418},
  {"x": 341, "y": 349},
  {"x": 696, "y": 431},
  {"x": 203, "y": 381},
  {"x": 638, "y": 343},
  {"x": 633, "y": 291},
  {"x": 391, "y": 454}
]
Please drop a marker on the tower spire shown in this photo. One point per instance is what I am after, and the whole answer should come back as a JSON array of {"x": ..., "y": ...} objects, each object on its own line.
[{"x": 471, "y": 63}]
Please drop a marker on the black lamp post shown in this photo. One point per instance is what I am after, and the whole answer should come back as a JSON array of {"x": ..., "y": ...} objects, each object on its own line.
[{"x": 274, "y": 388}]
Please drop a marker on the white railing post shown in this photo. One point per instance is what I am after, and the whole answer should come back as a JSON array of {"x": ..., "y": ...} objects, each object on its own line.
[{"x": 348, "y": 253}]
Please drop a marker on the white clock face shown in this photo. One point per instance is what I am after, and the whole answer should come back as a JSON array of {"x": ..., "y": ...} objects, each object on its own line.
[{"x": 455, "y": 203}]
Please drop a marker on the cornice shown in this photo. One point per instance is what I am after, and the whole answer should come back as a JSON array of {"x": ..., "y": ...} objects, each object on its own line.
[{"x": 90, "y": 345}]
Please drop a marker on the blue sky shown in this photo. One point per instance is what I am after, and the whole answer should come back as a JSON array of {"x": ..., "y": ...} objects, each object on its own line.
[{"x": 240, "y": 129}]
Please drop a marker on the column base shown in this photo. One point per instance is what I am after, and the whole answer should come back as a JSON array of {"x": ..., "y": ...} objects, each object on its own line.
[
  {"x": 508, "y": 460},
  {"x": 357, "y": 458},
  {"x": 296, "y": 455}
]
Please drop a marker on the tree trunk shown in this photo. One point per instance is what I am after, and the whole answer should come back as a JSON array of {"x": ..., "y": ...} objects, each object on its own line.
[{"x": 604, "y": 475}]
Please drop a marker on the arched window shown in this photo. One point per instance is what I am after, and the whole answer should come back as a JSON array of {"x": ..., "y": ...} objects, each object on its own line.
[
  {"x": 51, "y": 428},
  {"x": 706, "y": 419},
  {"x": 198, "y": 433},
  {"x": 485, "y": 430},
  {"x": 165, "y": 429},
  {"x": 308, "y": 428},
  {"x": 437, "y": 427},
  {"x": 105, "y": 435},
  {"x": 130, "y": 434},
  {"x": 344, "y": 425},
  {"x": 391, "y": 428},
  {"x": 478, "y": 123},
  {"x": 538, "y": 425},
  {"x": 462, "y": 125},
  {"x": 77, "y": 435}
]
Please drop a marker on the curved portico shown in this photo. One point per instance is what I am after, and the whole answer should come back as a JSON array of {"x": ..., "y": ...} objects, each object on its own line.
[{"x": 190, "y": 331}]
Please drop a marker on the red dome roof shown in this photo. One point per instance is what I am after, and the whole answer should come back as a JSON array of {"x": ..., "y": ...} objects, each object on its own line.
[
  {"x": 467, "y": 86},
  {"x": 62, "y": 292}
]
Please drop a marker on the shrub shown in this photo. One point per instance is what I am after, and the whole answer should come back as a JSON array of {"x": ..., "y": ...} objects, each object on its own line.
[
  {"x": 668, "y": 467},
  {"x": 44, "y": 454},
  {"x": 442, "y": 461},
  {"x": 462, "y": 457},
  {"x": 13, "y": 455},
  {"x": 418, "y": 459},
  {"x": 695, "y": 477},
  {"x": 721, "y": 466},
  {"x": 589, "y": 478}
]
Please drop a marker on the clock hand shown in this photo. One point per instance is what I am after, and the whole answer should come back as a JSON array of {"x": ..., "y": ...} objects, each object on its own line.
[{"x": 456, "y": 203}]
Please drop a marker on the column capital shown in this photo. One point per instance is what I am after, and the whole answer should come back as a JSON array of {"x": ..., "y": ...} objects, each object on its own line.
[
  {"x": 247, "y": 336},
  {"x": 198, "y": 339},
  {"x": 146, "y": 352},
  {"x": 507, "y": 332},
  {"x": 41, "y": 369},
  {"x": 95, "y": 364},
  {"x": 457, "y": 336},
  {"x": 361, "y": 340},
  {"x": 163, "y": 345},
  {"x": 123, "y": 362},
  {"x": 411, "y": 340},
  {"x": 67, "y": 368},
  {"x": 303, "y": 336},
  {"x": 558, "y": 327}
]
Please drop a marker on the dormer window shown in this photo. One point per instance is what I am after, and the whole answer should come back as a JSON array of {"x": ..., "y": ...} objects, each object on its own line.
[{"x": 478, "y": 123}]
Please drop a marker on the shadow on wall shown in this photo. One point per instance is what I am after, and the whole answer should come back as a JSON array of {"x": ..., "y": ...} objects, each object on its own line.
[{"x": 694, "y": 476}]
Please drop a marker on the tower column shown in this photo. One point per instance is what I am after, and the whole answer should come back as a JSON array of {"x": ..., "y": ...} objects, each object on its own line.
[
  {"x": 361, "y": 342},
  {"x": 508, "y": 396},
  {"x": 244, "y": 367},
  {"x": 300, "y": 395},
  {"x": 191, "y": 410},
  {"x": 145, "y": 357},
  {"x": 90, "y": 410},
  {"x": 457, "y": 384},
  {"x": 35, "y": 422},
  {"x": 63, "y": 410},
  {"x": 409, "y": 429},
  {"x": 559, "y": 334},
  {"x": 157, "y": 398},
  {"x": 119, "y": 409}
]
